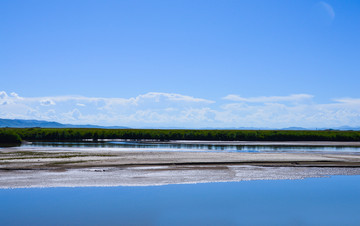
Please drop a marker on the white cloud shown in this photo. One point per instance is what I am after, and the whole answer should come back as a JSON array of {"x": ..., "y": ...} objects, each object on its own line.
[
  {"x": 51, "y": 113},
  {"x": 348, "y": 101},
  {"x": 3, "y": 95},
  {"x": 47, "y": 102},
  {"x": 169, "y": 109},
  {"x": 157, "y": 97},
  {"x": 4, "y": 98},
  {"x": 263, "y": 99},
  {"x": 13, "y": 94},
  {"x": 74, "y": 114}
]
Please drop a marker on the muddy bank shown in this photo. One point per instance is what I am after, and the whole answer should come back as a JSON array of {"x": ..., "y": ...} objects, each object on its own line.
[
  {"x": 52, "y": 169},
  {"x": 160, "y": 175},
  {"x": 11, "y": 159}
]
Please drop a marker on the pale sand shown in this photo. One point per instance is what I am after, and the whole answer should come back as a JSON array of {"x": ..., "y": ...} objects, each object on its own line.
[{"x": 67, "y": 169}]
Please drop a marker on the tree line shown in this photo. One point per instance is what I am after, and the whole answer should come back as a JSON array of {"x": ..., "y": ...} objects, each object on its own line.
[
  {"x": 9, "y": 137},
  {"x": 77, "y": 134}
]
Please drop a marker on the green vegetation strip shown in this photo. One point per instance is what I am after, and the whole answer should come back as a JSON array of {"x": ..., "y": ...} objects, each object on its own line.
[
  {"x": 15, "y": 135},
  {"x": 9, "y": 137}
]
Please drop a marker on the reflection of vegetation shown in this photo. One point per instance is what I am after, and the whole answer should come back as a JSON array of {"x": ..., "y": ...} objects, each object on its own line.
[
  {"x": 9, "y": 137},
  {"x": 46, "y": 134}
]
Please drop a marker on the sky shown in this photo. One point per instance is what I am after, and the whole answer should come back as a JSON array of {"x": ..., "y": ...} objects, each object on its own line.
[{"x": 181, "y": 63}]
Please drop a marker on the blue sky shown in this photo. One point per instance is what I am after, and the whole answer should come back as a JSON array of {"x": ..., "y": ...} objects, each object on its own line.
[{"x": 181, "y": 63}]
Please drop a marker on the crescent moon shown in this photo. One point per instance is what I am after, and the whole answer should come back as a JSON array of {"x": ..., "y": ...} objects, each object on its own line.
[{"x": 328, "y": 8}]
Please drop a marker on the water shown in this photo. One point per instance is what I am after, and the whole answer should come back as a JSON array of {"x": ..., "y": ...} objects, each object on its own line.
[
  {"x": 141, "y": 146},
  {"x": 316, "y": 201}
]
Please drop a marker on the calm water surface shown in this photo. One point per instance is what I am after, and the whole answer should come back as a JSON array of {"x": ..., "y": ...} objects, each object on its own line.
[
  {"x": 138, "y": 146},
  {"x": 317, "y": 201}
]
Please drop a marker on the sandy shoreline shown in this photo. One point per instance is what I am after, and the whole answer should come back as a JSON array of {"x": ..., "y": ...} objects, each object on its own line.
[
  {"x": 160, "y": 175},
  {"x": 41, "y": 168},
  {"x": 11, "y": 158}
]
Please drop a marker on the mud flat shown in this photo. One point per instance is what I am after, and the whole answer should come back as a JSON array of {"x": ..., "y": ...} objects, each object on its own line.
[{"x": 39, "y": 168}]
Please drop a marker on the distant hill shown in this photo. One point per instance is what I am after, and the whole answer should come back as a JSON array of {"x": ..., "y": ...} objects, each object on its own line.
[
  {"x": 348, "y": 128},
  {"x": 22, "y": 123},
  {"x": 295, "y": 128}
]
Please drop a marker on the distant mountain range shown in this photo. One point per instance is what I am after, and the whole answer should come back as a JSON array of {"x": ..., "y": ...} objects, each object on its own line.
[{"x": 22, "y": 123}]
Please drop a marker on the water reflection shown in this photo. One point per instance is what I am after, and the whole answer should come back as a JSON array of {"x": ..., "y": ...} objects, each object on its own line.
[{"x": 143, "y": 146}]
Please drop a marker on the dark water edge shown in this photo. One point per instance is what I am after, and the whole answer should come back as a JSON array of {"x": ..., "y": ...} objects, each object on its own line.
[
  {"x": 315, "y": 201},
  {"x": 9, "y": 145}
]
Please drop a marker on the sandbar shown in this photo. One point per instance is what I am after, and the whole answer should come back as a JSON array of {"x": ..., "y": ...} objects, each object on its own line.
[{"x": 42, "y": 168}]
